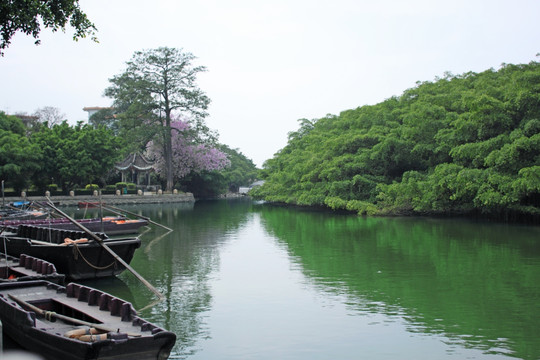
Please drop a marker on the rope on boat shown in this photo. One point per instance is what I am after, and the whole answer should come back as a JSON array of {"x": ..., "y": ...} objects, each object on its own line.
[
  {"x": 87, "y": 334},
  {"x": 77, "y": 252},
  {"x": 49, "y": 315},
  {"x": 104, "y": 246}
]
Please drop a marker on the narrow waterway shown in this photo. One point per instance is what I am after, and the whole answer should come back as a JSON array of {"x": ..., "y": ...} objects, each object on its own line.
[{"x": 245, "y": 280}]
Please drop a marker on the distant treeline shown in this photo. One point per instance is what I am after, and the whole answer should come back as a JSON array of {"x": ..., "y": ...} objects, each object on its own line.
[
  {"x": 37, "y": 156},
  {"x": 465, "y": 144}
]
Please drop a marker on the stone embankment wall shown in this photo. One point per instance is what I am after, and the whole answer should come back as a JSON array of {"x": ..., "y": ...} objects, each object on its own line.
[{"x": 112, "y": 199}]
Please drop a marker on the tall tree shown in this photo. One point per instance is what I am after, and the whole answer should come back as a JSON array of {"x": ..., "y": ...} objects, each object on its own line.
[
  {"x": 155, "y": 84},
  {"x": 24, "y": 15},
  {"x": 105, "y": 117}
]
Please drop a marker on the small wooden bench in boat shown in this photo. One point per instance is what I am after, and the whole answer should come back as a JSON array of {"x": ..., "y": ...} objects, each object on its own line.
[
  {"x": 26, "y": 268},
  {"x": 42, "y": 316}
]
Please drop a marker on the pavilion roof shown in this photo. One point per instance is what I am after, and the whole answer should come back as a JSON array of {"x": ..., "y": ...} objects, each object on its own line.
[{"x": 135, "y": 161}]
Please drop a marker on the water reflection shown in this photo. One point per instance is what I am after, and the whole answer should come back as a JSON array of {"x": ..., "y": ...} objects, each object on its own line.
[
  {"x": 296, "y": 282},
  {"x": 179, "y": 264},
  {"x": 476, "y": 283}
]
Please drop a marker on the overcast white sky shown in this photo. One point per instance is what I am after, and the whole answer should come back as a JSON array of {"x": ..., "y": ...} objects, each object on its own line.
[{"x": 271, "y": 63}]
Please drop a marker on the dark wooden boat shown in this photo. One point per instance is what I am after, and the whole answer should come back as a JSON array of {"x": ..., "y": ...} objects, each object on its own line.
[
  {"x": 78, "y": 258},
  {"x": 110, "y": 225},
  {"x": 41, "y": 317},
  {"x": 26, "y": 268}
]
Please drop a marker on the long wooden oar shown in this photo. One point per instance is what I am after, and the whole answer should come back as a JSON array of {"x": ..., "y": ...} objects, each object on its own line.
[
  {"x": 155, "y": 240},
  {"x": 108, "y": 249},
  {"x": 113, "y": 208},
  {"x": 37, "y": 208},
  {"x": 65, "y": 318},
  {"x": 5, "y": 250}
]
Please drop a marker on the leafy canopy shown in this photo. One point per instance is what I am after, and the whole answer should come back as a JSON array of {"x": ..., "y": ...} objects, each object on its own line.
[
  {"x": 75, "y": 155},
  {"x": 19, "y": 158},
  {"x": 25, "y": 15},
  {"x": 465, "y": 143}
]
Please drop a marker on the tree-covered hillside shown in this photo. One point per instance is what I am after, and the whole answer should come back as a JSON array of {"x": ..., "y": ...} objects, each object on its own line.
[{"x": 459, "y": 144}]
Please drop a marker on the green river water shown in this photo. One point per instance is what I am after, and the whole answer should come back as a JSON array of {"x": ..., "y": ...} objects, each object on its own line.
[{"x": 245, "y": 280}]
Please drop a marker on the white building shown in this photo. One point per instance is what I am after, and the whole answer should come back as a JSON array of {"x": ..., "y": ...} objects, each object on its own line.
[{"x": 94, "y": 109}]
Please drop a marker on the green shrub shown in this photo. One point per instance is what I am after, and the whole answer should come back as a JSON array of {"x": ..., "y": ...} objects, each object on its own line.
[
  {"x": 335, "y": 203},
  {"x": 121, "y": 185},
  {"x": 126, "y": 188},
  {"x": 91, "y": 187}
]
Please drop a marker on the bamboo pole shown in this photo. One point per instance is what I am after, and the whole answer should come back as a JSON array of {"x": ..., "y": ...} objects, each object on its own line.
[
  {"x": 108, "y": 249},
  {"x": 116, "y": 210},
  {"x": 66, "y": 318}
]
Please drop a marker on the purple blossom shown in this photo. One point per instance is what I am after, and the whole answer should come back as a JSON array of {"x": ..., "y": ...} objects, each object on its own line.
[{"x": 187, "y": 155}]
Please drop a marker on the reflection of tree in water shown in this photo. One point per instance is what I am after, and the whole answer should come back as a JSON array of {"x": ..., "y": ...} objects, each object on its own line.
[
  {"x": 181, "y": 263},
  {"x": 475, "y": 283}
]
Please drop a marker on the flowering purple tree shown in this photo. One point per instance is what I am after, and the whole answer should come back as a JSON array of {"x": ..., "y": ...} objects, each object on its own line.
[
  {"x": 189, "y": 155},
  {"x": 156, "y": 84}
]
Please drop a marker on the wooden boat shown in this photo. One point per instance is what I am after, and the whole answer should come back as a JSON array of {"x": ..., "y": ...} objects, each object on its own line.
[
  {"x": 19, "y": 214},
  {"x": 26, "y": 268},
  {"x": 77, "y": 257},
  {"x": 110, "y": 225},
  {"x": 78, "y": 322}
]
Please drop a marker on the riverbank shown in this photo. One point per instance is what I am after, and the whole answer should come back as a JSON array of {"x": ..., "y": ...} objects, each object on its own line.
[{"x": 111, "y": 199}]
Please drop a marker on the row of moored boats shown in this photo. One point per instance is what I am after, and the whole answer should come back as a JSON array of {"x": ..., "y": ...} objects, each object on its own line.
[{"x": 45, "y": 310}]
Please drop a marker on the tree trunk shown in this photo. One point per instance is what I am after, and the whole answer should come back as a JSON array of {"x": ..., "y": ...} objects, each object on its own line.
[
  {"x": 168, "y": 163},
  {"x": 168, "y": 150}
]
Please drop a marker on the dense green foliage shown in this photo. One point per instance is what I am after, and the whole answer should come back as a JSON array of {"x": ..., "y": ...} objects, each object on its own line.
[
  {"x": 18, "y": 157},
  {"x": 466, "y": 143},
  {"x": 75, "y": 156},
  {"x": 106, "y": 117},
  {"x": 241, "y": 172},
  {"x": 69, "y": 156}
]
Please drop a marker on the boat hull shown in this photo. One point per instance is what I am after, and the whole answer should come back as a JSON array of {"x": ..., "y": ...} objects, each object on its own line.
[
  {"x": 29, "y": 329},
  {"x": 109, "y": 225},
  {"x": 77, "y": 261},
  {"x": 14, "y": 214}
]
